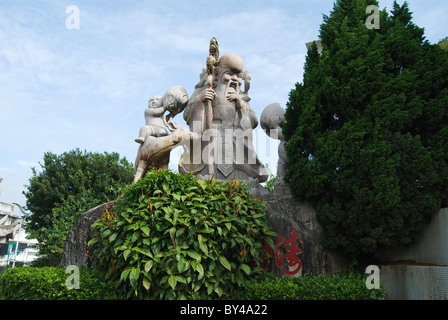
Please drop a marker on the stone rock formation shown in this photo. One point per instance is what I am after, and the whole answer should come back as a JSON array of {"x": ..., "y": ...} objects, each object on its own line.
[
  {"x": 76, "y": 252},
  {"x": 298, "y": 250}
]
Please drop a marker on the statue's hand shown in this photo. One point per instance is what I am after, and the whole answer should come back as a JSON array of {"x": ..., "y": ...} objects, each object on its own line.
[
  {"x": 207, "y": 95},
  {"x": 235, "y": 97}
]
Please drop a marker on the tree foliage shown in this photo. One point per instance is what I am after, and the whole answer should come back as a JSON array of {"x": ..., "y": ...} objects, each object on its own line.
[
  {"x": 172, "y": 236},
  {"x": 367, "y": 129},
  {"x": 67, "y": 186},
  {"x": 444, "y": 44}
]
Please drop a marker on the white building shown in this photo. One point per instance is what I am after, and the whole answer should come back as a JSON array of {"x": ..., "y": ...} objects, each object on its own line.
[{"x": 11, "y": 233}]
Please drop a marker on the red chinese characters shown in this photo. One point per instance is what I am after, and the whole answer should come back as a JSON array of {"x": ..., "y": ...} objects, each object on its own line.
[{"x": 294, "y": 264}]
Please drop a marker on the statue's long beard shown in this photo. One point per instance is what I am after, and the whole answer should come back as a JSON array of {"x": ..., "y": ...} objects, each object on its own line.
[{"x": 222, "y": 90}]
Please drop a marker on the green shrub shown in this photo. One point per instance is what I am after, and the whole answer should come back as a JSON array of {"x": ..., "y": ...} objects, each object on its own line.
[
  {"x": 49, "y": 283},
  {"x": 331, "y": 287},
  {"x": 172, "y": 236}
]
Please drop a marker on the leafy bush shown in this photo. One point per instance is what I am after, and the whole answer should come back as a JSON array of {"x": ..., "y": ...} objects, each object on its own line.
[
  {"x": 333, "y": 287},
  {"x": 172, "y": 236},
  {"x": 49, "y": 283}
]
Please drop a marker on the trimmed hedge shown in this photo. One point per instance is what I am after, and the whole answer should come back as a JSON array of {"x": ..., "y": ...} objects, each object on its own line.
[
  {"x": 49, "y": 283},
  {"x": 331, "y": 287}
]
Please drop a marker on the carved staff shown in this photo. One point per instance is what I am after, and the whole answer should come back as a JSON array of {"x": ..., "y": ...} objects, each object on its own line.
[{"x": 212, "y": 60}]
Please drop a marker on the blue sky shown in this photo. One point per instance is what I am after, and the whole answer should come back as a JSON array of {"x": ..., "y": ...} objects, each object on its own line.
[{"x": 87, "y": 88}]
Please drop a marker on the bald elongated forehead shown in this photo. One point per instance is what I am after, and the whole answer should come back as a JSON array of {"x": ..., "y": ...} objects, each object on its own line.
[{"x": 231, "y": 61}]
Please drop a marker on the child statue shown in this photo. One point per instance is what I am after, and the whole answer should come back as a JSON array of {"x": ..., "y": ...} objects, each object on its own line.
[{"x": 174, "y": 100}]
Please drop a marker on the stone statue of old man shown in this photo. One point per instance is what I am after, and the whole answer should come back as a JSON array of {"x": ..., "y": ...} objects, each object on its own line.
[{"x": 230, "y": 153}]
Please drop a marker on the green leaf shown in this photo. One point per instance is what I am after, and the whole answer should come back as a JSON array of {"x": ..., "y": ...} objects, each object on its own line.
[
  {"x": 245, "y": 268},
  {"x": 92, "y": 241},
  {"x": 166, "y": 187},
  {"x": 148, "y": 265},
  {"x": 181, "y": 266},
  {"x": 239, "y": 278},
  {"x": 163, "y": 280},
  {"x": 155, "y": 240},
  {"x": 194, "y": 255},
  {"x": 200, "y": 269},
  {"x": 125, "y": 273},
  {"x": 133, "y": 277},
  {"x": 107, "y": 233},
  {"x": 202, "y": 244},
  {"x": 180, "y": 231},
  {"x": 225, "y": 263},
  {"x": 126, "y": 253},
  {"x": 209, "y": 288},
  {"x": 145, "y": 252},
  {"x": 202, "y": 184},
  {"x": 172, "y": 281},
  {"x": 172, "y": 232},
  {"x": 135, "y": 236},
  {"x": 204, "y": 248},
  {"x": 271, "y": 233},
  {"x": 187, "y": 266},
  {"x": 145, "y": 230},
  {"x": 120, "y": 248},
  {"x": 218, "y": 291},
  {"x": 146, "y": 283},
  {"x": 181, "y": 279},
  {"x": 207, "y": 230}
]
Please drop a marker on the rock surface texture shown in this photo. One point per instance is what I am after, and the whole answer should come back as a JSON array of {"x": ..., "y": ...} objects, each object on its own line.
[
  {"x": 298, "y": 248},
  {"x": 76, "y": 251}
]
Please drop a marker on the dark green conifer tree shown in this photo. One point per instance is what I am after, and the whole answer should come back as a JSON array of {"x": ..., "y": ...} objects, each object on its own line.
[{"x": 367, "y": 129}]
